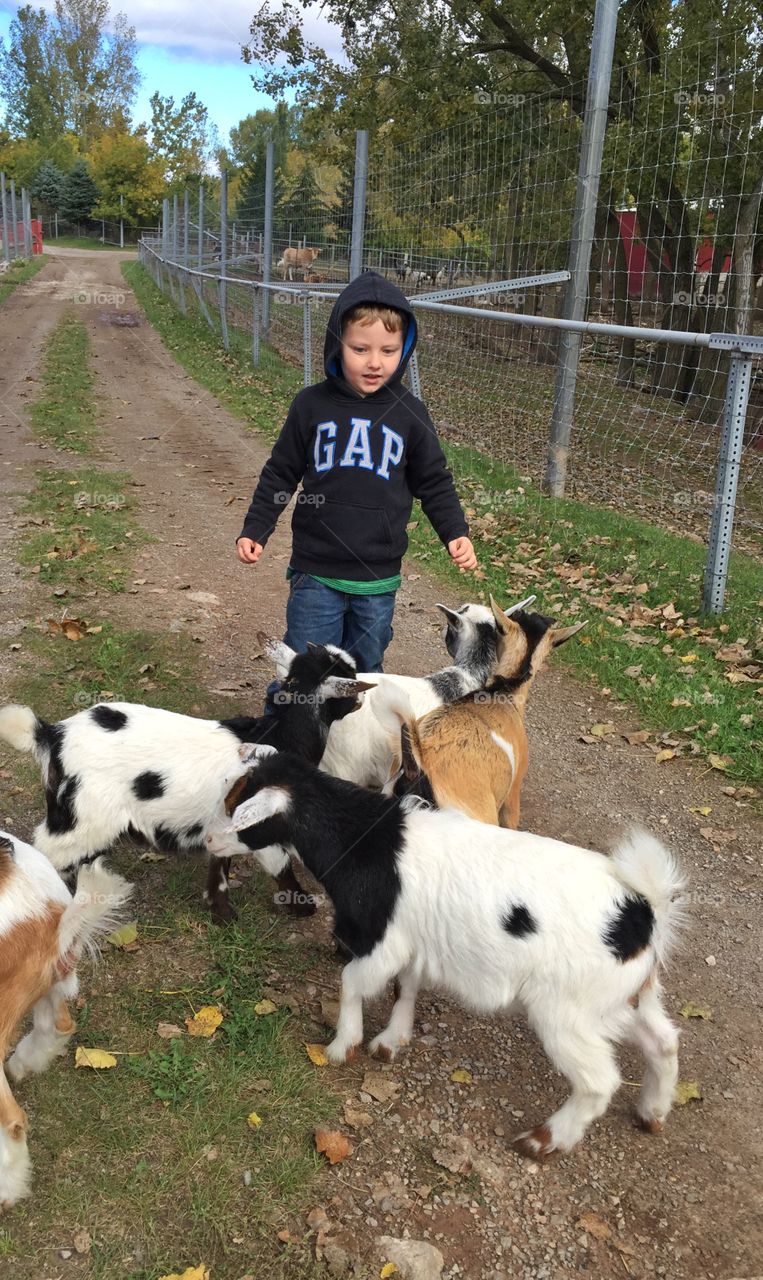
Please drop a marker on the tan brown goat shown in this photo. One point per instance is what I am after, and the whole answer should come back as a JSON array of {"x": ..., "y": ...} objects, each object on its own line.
[{"x": 472, "y": 754}]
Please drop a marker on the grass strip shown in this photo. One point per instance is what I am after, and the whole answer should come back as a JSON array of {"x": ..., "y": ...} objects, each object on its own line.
[
  {"x": 19, "y": 271},
  {"x": 694, "y": 680},
  {"x": 81, "y": 529},
  {"x": 65, "y": 413}
]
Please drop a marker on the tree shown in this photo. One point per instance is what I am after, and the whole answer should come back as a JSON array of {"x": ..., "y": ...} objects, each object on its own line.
[
  {"x": 79, "y": 194},
  {"x": 67, "y": 71},
  {"x": 129, "y": 177},
  {"x": 304, "y": 207},
  {"x": 180, "y": 136},
  {"x": 46, "y": 186}
]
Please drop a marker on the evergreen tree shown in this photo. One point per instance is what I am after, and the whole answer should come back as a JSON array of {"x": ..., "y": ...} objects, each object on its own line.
[
  {"x": 79, "y": 194},
  {"x": 305, "y": 206},
  {"x": 47, "y": 185}
]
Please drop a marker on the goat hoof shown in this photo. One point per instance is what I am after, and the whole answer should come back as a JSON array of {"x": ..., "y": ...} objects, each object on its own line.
[
  {"x": 341, "y": 1056},
  {"x": 650, "y": 1124},
  {"x": 535, "y": 1143},
  {"x": 222, "y": 915}
]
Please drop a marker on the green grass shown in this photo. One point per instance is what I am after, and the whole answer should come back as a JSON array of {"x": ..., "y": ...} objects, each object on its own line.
[
  {"x": 582, "y": 561},
  {"x": 81, "y": 529},
  {"x": 85, "y": 242},
  {"x": 64, "y": 413},
  {"x": 20, "y": 270},
  {"x": 156, "y": 1157}
]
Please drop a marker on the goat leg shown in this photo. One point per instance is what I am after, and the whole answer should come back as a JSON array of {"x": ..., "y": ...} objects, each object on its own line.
[{"x": 217, "y": 894}]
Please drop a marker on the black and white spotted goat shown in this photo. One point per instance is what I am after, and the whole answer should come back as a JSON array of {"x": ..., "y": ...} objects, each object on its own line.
[
  {"x": 501, "y": 919},
  {"x": 123, "y": 768},
  {"x": 359, "y": 750}
]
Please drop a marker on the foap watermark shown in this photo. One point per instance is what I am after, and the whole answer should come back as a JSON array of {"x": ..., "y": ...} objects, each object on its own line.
[
  {"x": 694, "y": 499},
  {"x": 290, "y": 898},
  {"x": 682, "y": 298},
  {"x": 83, "y": 698},
  {"x": 99, "y": 298},
  {"x": 102, "y": 501},
  {"x": 683, "y": 98},
  {"x": 494, "y": 98},
  {"x": 305, "y": 499}
]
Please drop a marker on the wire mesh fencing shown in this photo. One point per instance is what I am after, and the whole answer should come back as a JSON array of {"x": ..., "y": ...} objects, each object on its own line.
[{"x": 461, "y": 215}]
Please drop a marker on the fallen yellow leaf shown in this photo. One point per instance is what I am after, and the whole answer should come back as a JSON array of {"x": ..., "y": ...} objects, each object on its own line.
[
  {"x": 687, "y": 1091},
  {"x": 461, "y": 1076},
  {"x": 316, "y": 1054},
  {"x": 205, "y": 1022},
  {"x": 124, "y": 936},
  {"x": 98, "y": 1059},
  {"x": 253, "y": 1120},
  {"x": 601, "y": 730},
  {"x": 689, "y": 657},
  {"x": 692, "y": 1010},
  {"x": 263, "y": 1007},
  {"x": 389, "y": 1269},
  {"x": 719, "y": 762},
  {"x": 190, "y": 1273},
  {"x": 704, "y": 809},
  {"x": 667, "y": 753}
]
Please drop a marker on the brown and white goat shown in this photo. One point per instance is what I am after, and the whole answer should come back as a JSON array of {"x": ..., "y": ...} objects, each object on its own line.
[
  {"x": 472, "y": 754},
  {"x": 43, "y": 931}
]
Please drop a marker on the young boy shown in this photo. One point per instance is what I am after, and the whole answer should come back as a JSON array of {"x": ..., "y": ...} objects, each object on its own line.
[{"x": 363, "y": 448}]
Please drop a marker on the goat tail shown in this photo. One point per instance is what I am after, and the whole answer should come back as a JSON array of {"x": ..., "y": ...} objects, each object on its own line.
[
  {"x": 93, "y": 911},
  {"x": 20, "y": 727},
  {"x": 644, "y": 864},
  {"x": 392, "y": 708}
]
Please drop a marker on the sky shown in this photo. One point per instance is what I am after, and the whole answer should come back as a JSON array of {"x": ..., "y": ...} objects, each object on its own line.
[{"x": 192, "y": 46}]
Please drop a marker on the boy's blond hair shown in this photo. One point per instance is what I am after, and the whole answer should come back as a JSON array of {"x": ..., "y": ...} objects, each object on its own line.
[{"x": 370, "y": 312}]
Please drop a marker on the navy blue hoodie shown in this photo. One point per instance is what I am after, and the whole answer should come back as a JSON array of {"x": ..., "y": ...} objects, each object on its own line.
[{"x": 361, "y": 461}]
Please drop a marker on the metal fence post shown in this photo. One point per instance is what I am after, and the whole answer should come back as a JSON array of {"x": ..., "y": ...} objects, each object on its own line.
[
  {"x": 267, "y": 248},
  {"x": 255, "y": 326},
  {"x": 186, "y": 226},
  {"x": 4, "y": 200},
  {"x": 586, "y": 199},
  {"x": 14, "y": 218},
  {"x": 201, "y": 223},
  {"x": 719, "y": 543},
  {"x": 223, "y": 286},
  {"x": 307, "y": 339},
  {"x": 359, "y": 202}
]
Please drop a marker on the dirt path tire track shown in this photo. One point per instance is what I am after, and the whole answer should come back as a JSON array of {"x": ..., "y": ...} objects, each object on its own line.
[{"x": 687, "y": 1203}]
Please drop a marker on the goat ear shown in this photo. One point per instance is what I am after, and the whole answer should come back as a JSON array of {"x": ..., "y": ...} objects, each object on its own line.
[
  {"x": 266, "y": 804},
  {"x": 450, "y": 614},
  {"x": 281, "y": 656},
  {"x": 252, "y": 752},
  {"x": 561, "y": 637},
  {"x": 502, "y": 622},
  {"x": 342, "y": 687},
  {"x": 312, "y": 647}
]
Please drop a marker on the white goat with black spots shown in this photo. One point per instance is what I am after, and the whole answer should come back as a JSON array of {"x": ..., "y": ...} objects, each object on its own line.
[
  {"x": 123, "y": 768},
  {"x": 503, "y": 920}
]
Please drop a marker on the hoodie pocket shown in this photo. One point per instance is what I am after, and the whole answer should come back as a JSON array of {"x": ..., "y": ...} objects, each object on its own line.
[{"x": 345, "y": 531}]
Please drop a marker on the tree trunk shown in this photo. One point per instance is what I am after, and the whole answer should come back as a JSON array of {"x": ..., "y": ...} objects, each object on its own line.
[{"x": 622, "y": 306}]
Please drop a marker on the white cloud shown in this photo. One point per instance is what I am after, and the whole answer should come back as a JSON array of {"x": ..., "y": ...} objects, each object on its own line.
[{"x": 194, "y": 30}]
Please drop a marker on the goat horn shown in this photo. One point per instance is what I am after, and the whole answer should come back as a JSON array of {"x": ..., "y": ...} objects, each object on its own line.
[
  {"x": 561, "y": 637},
  {"x": 522, "y": 605}
]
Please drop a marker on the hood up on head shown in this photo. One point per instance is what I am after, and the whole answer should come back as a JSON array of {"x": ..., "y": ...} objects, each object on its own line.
[{"x": 368, "y": 287}]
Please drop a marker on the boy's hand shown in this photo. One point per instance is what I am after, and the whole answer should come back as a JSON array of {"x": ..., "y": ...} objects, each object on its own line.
[
  {"x": 247, "y": 551},
  {"x": 462, "y": 551}
]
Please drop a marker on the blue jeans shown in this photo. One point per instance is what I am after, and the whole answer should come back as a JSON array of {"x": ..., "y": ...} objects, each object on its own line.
[{"x": 360, "y": 624}]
